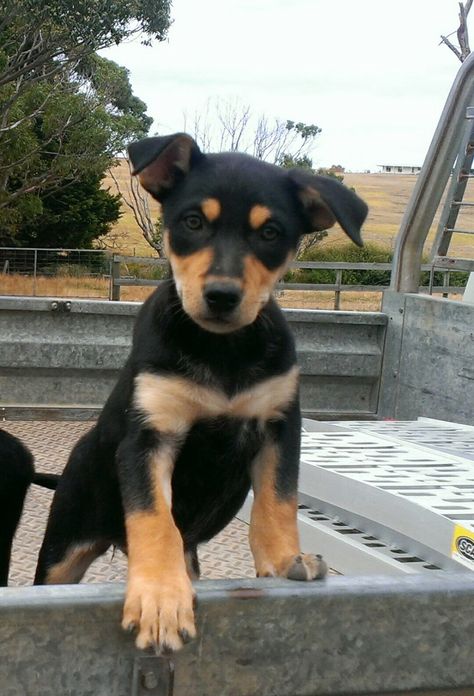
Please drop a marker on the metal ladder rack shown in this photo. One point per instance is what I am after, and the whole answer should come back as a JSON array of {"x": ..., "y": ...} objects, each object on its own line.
[{"x": 454, "y": 203}]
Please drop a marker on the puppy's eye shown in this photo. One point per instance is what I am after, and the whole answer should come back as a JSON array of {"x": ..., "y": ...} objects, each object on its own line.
[
  {"x": 269, "y": 233},
  {"x": 193, "y": 222}
]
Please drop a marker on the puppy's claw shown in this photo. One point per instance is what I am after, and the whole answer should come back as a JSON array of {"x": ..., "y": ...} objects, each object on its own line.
[
  {"x": 307, "y": 567},
  {"x": 184, "y": 635}
]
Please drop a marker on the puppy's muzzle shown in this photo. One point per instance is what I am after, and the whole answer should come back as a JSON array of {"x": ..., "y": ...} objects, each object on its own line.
[{"x": 222, "y": 298}]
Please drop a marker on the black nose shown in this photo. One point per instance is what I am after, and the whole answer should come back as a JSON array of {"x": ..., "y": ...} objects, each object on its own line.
[{"x": 222, "y": 297}]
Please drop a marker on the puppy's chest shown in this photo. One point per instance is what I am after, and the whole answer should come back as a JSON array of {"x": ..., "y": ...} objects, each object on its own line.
[{"x": 173, "y": 404}]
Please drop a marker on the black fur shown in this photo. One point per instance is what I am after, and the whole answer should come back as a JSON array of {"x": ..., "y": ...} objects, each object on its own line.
[
  {"x": 16, "y": 475},
  {"x": 108, "y": 474}
]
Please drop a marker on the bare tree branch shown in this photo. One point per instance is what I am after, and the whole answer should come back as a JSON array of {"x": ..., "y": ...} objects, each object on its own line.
[
  {"x": 462, "y": 33},
  {"x": 137, "y": 202}
]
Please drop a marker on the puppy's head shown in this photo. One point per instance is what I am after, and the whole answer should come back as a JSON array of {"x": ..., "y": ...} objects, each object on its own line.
[{"x": 232, "y": 223}]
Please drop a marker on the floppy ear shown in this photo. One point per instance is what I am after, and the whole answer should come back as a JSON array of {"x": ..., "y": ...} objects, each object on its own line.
[
  {"x": 326, "y": 201},
  {"x": 160, "y": 161}
]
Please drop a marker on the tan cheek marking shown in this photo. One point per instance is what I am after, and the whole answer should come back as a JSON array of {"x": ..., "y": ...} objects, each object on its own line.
[
  {"x": 268, "y": 399},
  {"x": 172, "y": 404},
  {"x": 258, "y": 215},
  {"x": 273, "y": 531},
  {"x": 189, "y": 273},
  {"x": 259, "y": 283},
  {"x": 211, "y": 208}
]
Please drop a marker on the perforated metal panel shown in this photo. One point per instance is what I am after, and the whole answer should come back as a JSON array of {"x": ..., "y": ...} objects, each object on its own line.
[{"x": 411, "y": 484}]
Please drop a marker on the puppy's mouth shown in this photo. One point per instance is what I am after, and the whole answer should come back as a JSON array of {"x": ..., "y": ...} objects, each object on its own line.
[{"x": 219, "y": 323}]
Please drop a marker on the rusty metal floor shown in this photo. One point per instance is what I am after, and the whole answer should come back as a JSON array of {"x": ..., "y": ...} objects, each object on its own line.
[{"x": 226, "y": 556}]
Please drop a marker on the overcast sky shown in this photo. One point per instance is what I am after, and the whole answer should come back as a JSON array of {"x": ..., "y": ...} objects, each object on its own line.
[{"x": 370, "y": 73}]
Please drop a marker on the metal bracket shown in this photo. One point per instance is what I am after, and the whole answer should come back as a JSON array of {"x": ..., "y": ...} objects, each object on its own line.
[
  {"x": 152, "y": 676},
  {"x": 60, "y": 306}
]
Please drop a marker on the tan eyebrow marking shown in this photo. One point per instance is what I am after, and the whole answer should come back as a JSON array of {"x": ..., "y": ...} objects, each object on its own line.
[
  {"x": 258, "y": 215},
  {"x": 211, "y": 208}
]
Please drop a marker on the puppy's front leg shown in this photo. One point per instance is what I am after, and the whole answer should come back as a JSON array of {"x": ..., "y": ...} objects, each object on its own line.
[
  {"x": 273, "y": 536},
  {"x": 159, "y": 600}
]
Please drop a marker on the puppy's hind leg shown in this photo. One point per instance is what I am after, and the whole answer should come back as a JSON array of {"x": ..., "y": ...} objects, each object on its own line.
[{"x": 81, "y": 525}]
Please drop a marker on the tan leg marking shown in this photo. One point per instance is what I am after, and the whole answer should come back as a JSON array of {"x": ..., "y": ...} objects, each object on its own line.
[
  {"x": 273, "y": 535},
  {"x": 259, "y": 214},
  {"x": 173, "y": 404},
  {"x": 211, "y": 208},
  {"x": 74, "y": 565},
  {"x": 159, "y": 599}
]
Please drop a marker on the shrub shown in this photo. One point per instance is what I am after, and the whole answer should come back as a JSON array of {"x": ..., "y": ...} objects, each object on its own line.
[{"x": 350, "y": 253}]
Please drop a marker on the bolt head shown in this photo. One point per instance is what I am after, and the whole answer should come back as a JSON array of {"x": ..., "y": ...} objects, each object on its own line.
[{"x": 149, "y": 681}]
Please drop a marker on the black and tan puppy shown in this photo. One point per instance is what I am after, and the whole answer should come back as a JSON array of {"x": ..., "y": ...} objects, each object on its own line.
[{"x": 207, "y": 403}]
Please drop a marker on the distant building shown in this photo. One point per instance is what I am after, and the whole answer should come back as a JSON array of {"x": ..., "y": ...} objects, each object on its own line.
[{"x": 398, "y": 169}]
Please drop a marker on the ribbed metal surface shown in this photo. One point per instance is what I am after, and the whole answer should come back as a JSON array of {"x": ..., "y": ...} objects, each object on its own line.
[
  {"x": 226, "y": 556},
  {"x": 408, "y": 482}
]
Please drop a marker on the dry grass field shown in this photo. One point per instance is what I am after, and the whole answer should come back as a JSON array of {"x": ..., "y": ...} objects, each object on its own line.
[{"x": 386, "y": 194}]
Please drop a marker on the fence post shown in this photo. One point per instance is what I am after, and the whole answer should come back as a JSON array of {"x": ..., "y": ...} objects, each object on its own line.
[
  {"x": 115, "y": 275},
  {"x": 337, "y": 295},
  {"x": 35, "y": 269},
  {"x": 446, "y": 281}
]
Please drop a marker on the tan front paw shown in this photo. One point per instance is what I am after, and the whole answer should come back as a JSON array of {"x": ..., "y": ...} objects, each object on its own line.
[{"x": 161, "y": 611}]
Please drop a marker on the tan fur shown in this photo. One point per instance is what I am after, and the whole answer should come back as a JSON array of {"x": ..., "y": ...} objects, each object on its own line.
[
  {"x": 173, "y": 404},
  {"x": 191, "y": 277},
  {"x": 268, "y": 399},
  {"x": 159, "y": 173},
  {"x": 273, "y": 531},
  {"x": 259, "y": 214},
  {"x": 159, "y": 593},
  {"x": 322, "y": 217},
  {"x": 258, "y": 285},
  {"x": 211, "y": 207},
  {"x": 73, "y": 566},
  {"x": 190, "y": 274}
]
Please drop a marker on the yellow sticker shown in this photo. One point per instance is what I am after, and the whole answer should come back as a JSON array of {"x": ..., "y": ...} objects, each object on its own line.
[{"x": 462, "y": 546}]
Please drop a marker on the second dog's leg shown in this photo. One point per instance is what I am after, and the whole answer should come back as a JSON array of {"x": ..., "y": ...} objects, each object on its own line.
[{"x": 274, "y": 539}]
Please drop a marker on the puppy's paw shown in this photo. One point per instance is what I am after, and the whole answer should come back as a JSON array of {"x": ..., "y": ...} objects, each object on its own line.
[
  {"x": 305, "y": 566},
  {"x": 161, "y": 613}
]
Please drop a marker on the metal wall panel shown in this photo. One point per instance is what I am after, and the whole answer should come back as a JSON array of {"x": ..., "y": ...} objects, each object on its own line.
[
  {"x": 433, "y": 373},
  {"x": 266, "y": 637},
  {"x": 64, "y": 356}
]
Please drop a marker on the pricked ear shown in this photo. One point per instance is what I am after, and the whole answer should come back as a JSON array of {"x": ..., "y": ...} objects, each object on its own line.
[
  {"x": 160, "y": 161},
  {"x": 327, "y": 201}
]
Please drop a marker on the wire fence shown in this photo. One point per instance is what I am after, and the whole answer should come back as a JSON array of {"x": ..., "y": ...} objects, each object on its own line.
[
  {"x": 55, "y": 272},
  {"x": 103, "y": 275}
]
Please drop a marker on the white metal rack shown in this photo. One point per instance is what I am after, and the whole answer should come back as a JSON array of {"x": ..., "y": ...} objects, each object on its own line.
[{"x": 387, "y": 497}]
